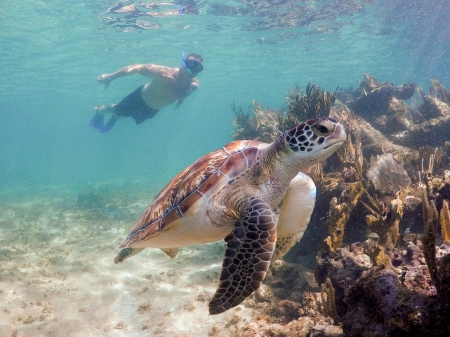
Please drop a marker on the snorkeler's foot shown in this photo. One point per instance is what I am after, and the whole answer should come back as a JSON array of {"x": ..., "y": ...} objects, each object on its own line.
[{"x": 100, "y": 110}]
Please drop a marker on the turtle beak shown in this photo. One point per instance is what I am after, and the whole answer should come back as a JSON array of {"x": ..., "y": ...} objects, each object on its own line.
[{"x": 338, "y": 138}]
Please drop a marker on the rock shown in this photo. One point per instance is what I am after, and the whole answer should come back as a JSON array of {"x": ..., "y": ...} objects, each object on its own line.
[
  {"x": 263, "y": 294},
  {"x": 398, "y": 117},
  {"x": 376, "y": 102},
  {"x": 326, "y": 331},
  {"x": 433, "y": 132},
  {"x": 380, "y": 306},
  {"x": 373, "y": 141},
  {"x": 343, "y": 268},
  {"x": 288, "y": 278},
  {"x": 433, "y": 108}
]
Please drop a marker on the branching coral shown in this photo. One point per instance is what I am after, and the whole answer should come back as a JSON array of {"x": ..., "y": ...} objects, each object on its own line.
[
  {"x": 263, "y": 125},
  {"x": 266, "y": 123},
  {"x": 243, "y": 126},
  {"x": 287, "y": 121},
  {"x": 328, "y": 292},
  {"x": 431, "y": 156},
  {"x": 315, "y": 103},
  {"x": 430, "y": 220},
  {"x": 384, "y": 220},
  {"x": 316, "y": 172},
  {"x": 445, "y": 222},
  {"x": 347, "y": 152},
  {"x": 339, "y": 214}
]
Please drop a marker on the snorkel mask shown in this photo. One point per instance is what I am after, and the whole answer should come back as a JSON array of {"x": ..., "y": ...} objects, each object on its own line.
[{"x": 191, "y": 66}]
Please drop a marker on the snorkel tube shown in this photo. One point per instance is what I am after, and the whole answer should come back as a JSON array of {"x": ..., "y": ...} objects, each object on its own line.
[{"x": 183, "y": 58}]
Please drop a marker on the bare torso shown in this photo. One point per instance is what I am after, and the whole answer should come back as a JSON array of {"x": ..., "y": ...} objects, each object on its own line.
[
  {"x": 168, "y": 88},
  {"x": 168, "y": 84}
]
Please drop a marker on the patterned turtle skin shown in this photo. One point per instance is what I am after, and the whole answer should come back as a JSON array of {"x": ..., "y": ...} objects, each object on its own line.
[{"x": 230, "y": 194}]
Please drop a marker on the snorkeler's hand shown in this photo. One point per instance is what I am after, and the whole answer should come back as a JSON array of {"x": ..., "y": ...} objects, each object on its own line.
[{"x": 105, "y": 79}]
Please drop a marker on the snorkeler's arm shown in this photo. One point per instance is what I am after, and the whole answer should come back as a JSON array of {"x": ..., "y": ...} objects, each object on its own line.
[
  {"x": 192, "y": 88},
  {"x": 148, "y": 70}
]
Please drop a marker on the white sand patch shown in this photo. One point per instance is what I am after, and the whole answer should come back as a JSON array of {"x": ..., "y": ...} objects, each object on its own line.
[{"x": 58, "y": 278}]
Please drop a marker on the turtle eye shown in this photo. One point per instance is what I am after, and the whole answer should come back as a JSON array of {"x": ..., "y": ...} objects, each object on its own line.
[{"x": 323, "y": 127}]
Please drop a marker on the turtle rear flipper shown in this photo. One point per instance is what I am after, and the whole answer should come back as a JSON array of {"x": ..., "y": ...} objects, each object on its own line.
[
  {"x": 126, "y": 253},
  {"x": 246, "y": 258},
  {"x": 170, "y": 252}
]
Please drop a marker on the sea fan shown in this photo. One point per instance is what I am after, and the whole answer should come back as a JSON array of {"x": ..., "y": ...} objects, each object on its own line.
[{"x": 387, "y": 174}]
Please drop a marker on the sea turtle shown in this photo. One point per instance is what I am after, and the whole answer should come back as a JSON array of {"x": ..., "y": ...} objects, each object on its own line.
[{"x": 230, "y": 194}]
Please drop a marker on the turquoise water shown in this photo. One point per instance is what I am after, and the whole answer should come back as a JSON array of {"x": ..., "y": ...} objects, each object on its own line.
[{"x": 51, "y": 54}]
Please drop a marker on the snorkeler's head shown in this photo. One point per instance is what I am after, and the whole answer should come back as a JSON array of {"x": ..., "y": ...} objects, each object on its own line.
[{"x": 193, "y": 63}]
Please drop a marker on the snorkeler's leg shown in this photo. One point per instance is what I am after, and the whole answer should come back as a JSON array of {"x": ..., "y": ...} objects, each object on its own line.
[
  {"x": 110, "y": 109},
  {"x": 97, "y": 120},
  {"x": 101, "y": 110}
]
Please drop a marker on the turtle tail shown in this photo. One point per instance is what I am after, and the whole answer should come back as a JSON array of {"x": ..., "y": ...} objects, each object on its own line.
[{"x": 126, "y": 253}]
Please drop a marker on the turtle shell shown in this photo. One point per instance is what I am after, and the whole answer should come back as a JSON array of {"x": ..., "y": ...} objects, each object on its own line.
[{"x": 202, "y": 178}]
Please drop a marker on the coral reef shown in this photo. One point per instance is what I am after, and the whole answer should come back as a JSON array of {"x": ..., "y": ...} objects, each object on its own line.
[
  {"x": 296, "y": 306},
  {"x": 387, "y": 300},
  {"x": 379, "y": 293},
  {"x": 384, "y": 265}
]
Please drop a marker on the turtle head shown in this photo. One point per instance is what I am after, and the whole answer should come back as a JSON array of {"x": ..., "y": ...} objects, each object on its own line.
[{"x": 314, "y": 140}]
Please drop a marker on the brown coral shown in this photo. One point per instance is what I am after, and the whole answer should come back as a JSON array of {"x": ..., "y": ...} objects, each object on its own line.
[
  {"x": 445, "y": 222},
  {"x": 430, "y": 220},
  {"x": 263, "y": 125},
  {"x": 339, "y": 215},
  {"x": 315, "y": 103},
  {"x": 384, "y": 221}
]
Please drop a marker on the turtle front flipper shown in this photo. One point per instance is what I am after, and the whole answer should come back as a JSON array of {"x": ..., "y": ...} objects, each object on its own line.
[
  {"x": 247, "y": 256},
  {"x": 295, "y": 213}
]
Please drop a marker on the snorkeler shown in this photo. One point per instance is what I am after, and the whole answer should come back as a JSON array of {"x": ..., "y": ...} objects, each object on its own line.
[{"x": 168, "y": 85}]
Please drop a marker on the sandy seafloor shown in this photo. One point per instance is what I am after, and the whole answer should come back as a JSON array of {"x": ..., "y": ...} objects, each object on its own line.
[{"x": 58, "y": 278}]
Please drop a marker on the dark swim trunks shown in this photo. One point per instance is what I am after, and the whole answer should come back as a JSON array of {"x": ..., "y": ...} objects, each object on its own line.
[
  {"x": 131, "y": 106},
  {"x": 135, "y": 107}
]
